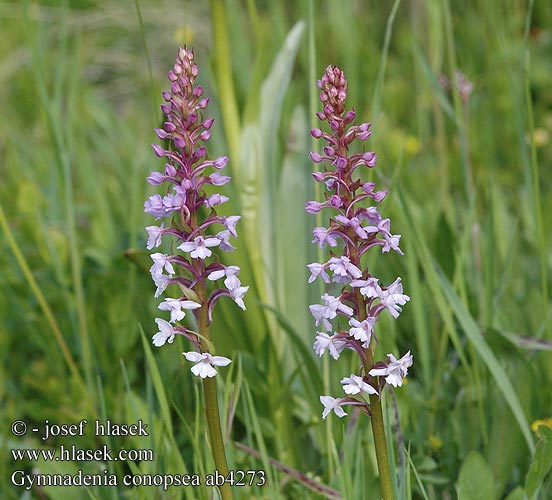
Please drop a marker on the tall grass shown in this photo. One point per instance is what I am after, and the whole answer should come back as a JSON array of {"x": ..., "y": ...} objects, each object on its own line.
[{"x": 470, "y": 197}]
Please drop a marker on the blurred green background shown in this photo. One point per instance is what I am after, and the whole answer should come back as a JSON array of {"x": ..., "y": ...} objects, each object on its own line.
[{"x": 467, "y": 169}]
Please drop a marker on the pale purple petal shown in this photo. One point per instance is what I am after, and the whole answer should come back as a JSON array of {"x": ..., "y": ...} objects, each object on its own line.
[
  {"x": 224, "y": 241},
  {"x": 393, "y": 298},
  {"x": 317, "y": 270},
  {"x": 323, "y": 236},
  {"x": 395, "y": 371},
  {"x": 155, "y": 178},
  {"x": 237, "y": 295},
  {"x": 160, "y": 262},
  {"x": 205, "y": 362},
  {"x": 331, "y": 404},
  {"x": 378, "y": 372},
  {"x": 325, "y": 342},
  {"x": 154, "y": 206},
  {"x": 154, "y": 236},
  {"x": 230, "y": 224},
  {"x": 203, "y": 369},
  {"x": 193, "y": 356},
  {"x": 216, "y": 199},
  {"x": 175, "y": 307},
  {"x": 211, "y": 242},
  {"x": 215, "y": 275},
  {"x": 165, "y": 333},
  {"x": 162, "y": 281},
  {"x": 355, "y": 385},
  {"x": 313, "y": 207},
  {"x": 187, "y": 246},
  {"x": 220, "y": 361},
  {"x": 219, "y": 180},
  {"x": 362, "y": 330}
]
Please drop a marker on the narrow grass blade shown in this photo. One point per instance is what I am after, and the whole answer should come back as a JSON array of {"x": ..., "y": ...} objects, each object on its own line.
[{"x": 473, "y": 332}]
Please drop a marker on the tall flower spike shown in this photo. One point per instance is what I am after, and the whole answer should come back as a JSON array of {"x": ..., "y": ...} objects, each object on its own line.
[
  {"x": 195, "y": 276},
  {"x": 354, "y": 227},
  {"x": 186, "y": 175}
]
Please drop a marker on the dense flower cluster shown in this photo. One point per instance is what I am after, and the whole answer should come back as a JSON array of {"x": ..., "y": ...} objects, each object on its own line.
[
  {"x": 362, "y": 297},
  {"x": 185, "y": 200}
]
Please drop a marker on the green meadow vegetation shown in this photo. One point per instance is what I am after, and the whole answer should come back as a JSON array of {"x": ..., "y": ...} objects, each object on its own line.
[{"x": 467, "y": 167}]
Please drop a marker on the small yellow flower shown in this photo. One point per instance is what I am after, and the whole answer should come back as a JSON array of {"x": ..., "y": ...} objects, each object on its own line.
[
  {"x": 545, "y": 421},
  {"x": 541, "y": 136},
  {"x": 435, "y": 442},
  {"x": 412, "y": 145}
]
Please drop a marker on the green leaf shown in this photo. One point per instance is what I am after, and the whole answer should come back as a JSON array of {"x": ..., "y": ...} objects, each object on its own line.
[
  {"x": 542, "y": 463},
  {"x": 473, "y": 333},
  {"x": 299, "y": 349},
  {"x": 256, "y": 173},
  {"x": 475, "y": 481},
  {"x": 157, "y": 383},
  {"x": 443, "y": 289},
  {"x": 517, "y": 494},
  {"x": 160, "y": 392},
  {"x": 294, "y": 226},
  {"x": 526, "y": 342},
  {"x": 444, "y": 247},
  {"x": 505, "y": 446}
]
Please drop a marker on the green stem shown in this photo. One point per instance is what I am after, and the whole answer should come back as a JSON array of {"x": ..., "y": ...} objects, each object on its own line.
[
  {"x": 215, "y": 432},
  {"x": 378, "y": 430},
  {"x": 376, "y": 413},
  {"x": 212, "y": 413}
]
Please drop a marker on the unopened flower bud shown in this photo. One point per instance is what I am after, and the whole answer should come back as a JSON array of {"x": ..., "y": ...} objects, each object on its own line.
[
  {"x": 315, "y": 157},
  {"x": 208, "y": 123},
  {"x": 161, "y": 133},
  {"x": 221, "y": 162},
  {"x": 318, "y": 176},
  {"x": 313, "y": 207},
  {"x": 159, "y": 151},
  {"x": 316, "y": 133},
  {"x": 155, "y": 178}
]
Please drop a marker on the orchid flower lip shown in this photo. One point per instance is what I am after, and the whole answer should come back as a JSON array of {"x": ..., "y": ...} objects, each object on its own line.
[
  {"x": 205, "y": 363},
  {"x": 331, "y": 404}
]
